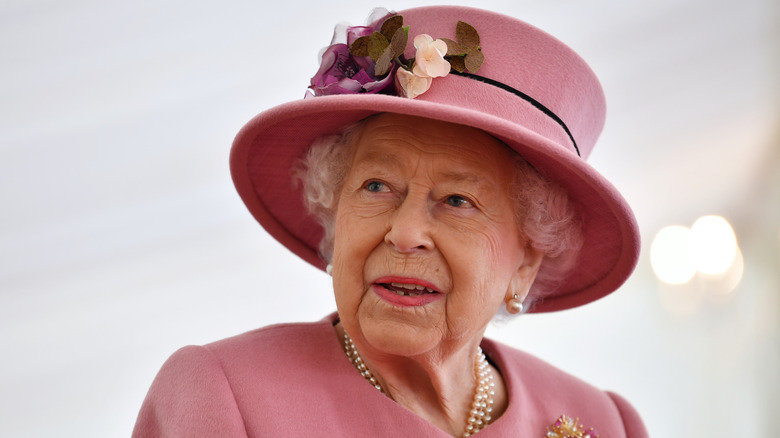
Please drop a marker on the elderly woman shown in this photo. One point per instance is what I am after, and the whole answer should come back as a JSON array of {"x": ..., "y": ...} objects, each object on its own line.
[{"x": 437, "y": 172}]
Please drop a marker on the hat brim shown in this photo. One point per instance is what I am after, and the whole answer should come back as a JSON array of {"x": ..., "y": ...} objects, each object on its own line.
[{"x": 268, "y": 146}]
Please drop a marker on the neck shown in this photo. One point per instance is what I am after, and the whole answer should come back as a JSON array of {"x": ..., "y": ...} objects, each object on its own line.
[{"x": 438, "y": 387}]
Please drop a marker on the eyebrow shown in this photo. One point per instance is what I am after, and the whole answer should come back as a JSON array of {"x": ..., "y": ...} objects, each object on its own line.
[
  {"x": 391, "y": 160},
  {"x": 463, "y": 177},
  {"x": 380, "y": 157},
  {"x": 479, "y": 183}
]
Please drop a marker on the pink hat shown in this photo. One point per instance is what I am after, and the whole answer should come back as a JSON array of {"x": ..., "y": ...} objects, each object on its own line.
[{"x": 532, "y": 92}]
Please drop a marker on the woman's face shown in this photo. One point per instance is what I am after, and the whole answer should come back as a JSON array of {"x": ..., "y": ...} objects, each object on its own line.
[{"x": 426, "y": 244}]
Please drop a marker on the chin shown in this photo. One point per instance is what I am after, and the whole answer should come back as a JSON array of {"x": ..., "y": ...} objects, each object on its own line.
[{"x": 398, "y": 337}]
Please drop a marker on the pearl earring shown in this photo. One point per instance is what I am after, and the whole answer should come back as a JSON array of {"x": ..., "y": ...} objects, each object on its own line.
[
  {"x": 515, "y": 305},
  {"x": 329, "y": 269}
]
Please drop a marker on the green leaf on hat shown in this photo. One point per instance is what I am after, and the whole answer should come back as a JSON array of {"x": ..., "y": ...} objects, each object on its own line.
[
  {"x": 382, "y": 65},
  {"x": 391, "y": 49},
  {"x": 466, "y": 54},
  {"x": 474, "y": 60},
  {"x": 453, "y": 48},
  {"x": 457, "y": 64},
  {"x": 398, "y": 43},
  {"x": 391, "y": 25},
  {"x": 359, "y": 47},
  {"x": 377, "y": 43},
  {"x": 467, "y": 36}
]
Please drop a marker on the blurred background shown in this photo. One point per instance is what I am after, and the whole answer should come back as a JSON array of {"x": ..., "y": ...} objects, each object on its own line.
[{"x": 122, "y": 239}]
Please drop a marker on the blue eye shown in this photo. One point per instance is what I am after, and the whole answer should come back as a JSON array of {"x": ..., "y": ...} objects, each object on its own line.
[
  {"x": 457, "y": 201},
  {"x": 375, "y": 186}
]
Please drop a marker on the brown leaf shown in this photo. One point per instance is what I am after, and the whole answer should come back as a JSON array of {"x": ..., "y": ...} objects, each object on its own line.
[
  {"x": 377, "y": 43},
  {"x": 457, "y": 64},
  {"x": 453, "y": 48},
  {"x": 474, "y": 60},
  {"x": 359, "y": 47},
  {"x": 467, "y": 36},
  {"x": 398, "y": 43},
  {"x": 391, "y": 26},
  {"x": 383, "y": 63}
]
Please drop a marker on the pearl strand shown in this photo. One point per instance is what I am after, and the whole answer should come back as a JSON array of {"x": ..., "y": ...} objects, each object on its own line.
[
  {"x": 481, "y": 412},
  {"x": 357, "y": 361}
]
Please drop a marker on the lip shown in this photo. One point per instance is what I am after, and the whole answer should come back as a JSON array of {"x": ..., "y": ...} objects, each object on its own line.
[{"x": 394, "y": 299}]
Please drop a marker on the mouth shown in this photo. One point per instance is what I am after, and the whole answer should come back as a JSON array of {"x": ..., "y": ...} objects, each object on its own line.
[
  {"x": 405, "y": 291},
  {"x": 408, "y": 289}
]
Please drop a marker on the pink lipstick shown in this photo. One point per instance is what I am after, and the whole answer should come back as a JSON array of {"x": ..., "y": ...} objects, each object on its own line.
[{"x": 405, "y": 292}]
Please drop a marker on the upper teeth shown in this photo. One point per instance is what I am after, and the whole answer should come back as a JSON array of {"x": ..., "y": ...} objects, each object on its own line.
[{"x": 412, "y": 287}]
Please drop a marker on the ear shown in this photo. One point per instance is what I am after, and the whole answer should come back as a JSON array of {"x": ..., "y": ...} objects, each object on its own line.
[{"x": 525, "y": 275}]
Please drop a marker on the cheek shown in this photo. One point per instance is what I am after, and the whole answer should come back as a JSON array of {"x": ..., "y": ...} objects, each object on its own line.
[
  {"x": 356, "y": 237},
  {"x": 490, "y": 249},
  {"x": 346, "y": 246},
  {"x": 347, "y": 274},
  {"x": 484, "y": 264},
  {"x": 357, "y": 231}
]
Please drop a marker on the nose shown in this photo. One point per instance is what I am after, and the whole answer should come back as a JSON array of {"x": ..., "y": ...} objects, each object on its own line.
[{"x": 410, "y": 227}]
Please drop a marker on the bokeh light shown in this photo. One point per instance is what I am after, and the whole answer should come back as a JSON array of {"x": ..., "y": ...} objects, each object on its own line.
[
  {"x": 712, "y": 245},
  {"x": 723, "y": 284},
  {"x": 669, "y": 255},
  {"x": 707, "y": 251}
]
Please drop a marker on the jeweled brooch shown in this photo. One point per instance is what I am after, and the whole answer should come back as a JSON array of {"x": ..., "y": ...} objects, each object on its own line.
[{"x": 567, "y": 427}]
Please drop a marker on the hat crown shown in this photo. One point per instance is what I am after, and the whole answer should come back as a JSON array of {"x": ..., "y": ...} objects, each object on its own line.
[{"x": 526, "y": 59}]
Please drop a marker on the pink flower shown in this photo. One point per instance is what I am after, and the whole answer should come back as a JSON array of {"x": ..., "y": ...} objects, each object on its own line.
[
  {"x": 411, "y": 85},
  {"x": 429, "y": 60}
]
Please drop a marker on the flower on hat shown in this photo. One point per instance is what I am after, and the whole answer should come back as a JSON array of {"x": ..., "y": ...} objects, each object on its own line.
[
  {"x": 372, "y": 61},
  {"x": 342, "y": 73},
  {"x": 411, "y": 85},
  {"x": 429, "y": 60},
  {"x": 428, "y": 63}
]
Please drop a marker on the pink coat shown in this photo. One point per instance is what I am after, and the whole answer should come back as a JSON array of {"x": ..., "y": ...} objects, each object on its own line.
[{"x": 294, "y": 380}]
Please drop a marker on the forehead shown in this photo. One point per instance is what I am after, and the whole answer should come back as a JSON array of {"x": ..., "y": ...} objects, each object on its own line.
[{"x": 394, "y": 138}]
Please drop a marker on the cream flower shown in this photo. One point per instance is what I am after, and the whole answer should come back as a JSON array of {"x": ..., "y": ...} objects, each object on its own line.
[
  {"x": 429, "y": 60},
  {"x": 411, "y": 85}
]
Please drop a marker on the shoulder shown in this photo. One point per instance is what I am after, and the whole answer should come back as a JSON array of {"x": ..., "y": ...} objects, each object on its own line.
[
  {"x": 298, "y": 344},
  {"x": 535, "y": 371},
  {"x": 207, "y": 390},
  {"x": 276, "y": 335},
  {"x": 190, "y": 396},
  {"x": 544, "y": 392},
  {"x": 631, "y": 419}
]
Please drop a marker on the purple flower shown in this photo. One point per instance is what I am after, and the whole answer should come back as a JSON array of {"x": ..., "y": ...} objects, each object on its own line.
[{"x": 342, "y": 73}]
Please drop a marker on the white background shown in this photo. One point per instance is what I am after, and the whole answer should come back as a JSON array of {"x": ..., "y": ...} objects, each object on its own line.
[{"x": 122, "y": 239}]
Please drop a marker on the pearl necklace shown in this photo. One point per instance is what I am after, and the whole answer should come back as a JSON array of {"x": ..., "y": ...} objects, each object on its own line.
[{"x": 481, "y": 411}]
